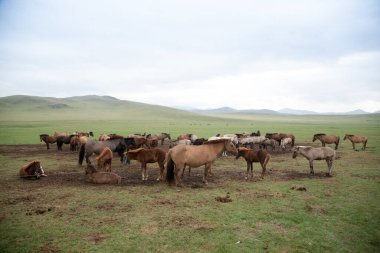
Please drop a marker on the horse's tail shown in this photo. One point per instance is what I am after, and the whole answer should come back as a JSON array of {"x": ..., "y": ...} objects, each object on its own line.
[
  {"x": 169, "y": 168},
  {"x": 81, "y": 153},
  {"x": 267, "y": 158},
  {"x": 293, "y": 139}
]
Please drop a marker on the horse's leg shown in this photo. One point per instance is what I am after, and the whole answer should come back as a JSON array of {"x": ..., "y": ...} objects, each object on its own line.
[
  {"x": 207, "y": 168},
  {"x": 329, "y": 162},
  {"x": 311, "y": 167},
  {"x": 251, "y": 170},
  {"x": 248, "y": 167},
  {"x": 353, "y": 145},
  {"x": 143, "y": 168},
  {"x": 47, "y": 145},
  {"x": 88, "y": 158},
  {"x": 178, "y": 167}
]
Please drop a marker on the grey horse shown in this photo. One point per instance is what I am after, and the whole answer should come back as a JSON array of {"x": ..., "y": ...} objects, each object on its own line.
[{"x": 311, "y": 154}]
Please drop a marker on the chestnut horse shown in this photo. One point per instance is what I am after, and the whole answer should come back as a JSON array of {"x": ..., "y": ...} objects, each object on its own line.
[
  {"x": 32, "y": 170},
  {"x": 144, "y": 156},
  {"x": 104, "y": 160},
  {"x": 195, "y": 156},
  {"x": 48, "y": 139},
  {"x": 356, "y": 139},
  {"x": 327, "y": 139},
  {"x": 252, "y": 156}
]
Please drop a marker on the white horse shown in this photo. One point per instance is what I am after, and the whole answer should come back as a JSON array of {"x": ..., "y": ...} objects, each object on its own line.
[
  {"x": 285, "y": 142},
  {"x": 251, "y": 141},
  {"x": 311, "y": 154}
]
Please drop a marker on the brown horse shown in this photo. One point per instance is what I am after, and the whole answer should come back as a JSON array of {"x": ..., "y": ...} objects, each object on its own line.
[
  {"x": 274, "y": 136},
  {"x": 144, "y": 156},
  {"x": 48, "y": 139},
  {"x": 195, "y": 156},
  {"x": 327, "y": 139},
  {"x": 32, "y": 170},
  {"x": 104, "y": 160},
  {"x": 253, "y": 156},
  {"x": 74, "y": 143},
  {"x": 356, "y": 139}
]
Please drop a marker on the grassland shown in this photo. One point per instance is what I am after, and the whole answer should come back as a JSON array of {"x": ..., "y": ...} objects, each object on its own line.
[{"x": 64, "y": 213}]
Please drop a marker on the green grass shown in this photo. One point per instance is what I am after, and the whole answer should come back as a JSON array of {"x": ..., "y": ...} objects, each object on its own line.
[{"x": 338, "y": 214}]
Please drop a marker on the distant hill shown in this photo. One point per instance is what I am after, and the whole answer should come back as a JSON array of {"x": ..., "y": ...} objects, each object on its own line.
[
  {"x": 296, "y": 112},
  {"x": 83, "y": 107}
]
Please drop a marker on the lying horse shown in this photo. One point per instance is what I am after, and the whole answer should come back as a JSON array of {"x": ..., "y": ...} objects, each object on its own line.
[
  {"x": 327, "y": 139},
  {"x": 356, "y": 139},
  {"x": 311, "y": 154},
  {"x": 195, "y": 156},
  {"x": 97, "y": 177},
  {"x": 144, "y": 156},
  {"x": 104, "y": 160},
  {"x": 92, "y": 146},
  {"x": 32, "y": 170},
  {"x": 253, "y": 156},
  {"x": 48, "y": 139}
]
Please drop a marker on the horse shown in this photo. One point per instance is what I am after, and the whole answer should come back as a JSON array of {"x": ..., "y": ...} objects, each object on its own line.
[
  {"x": 144, "y": 156},
  {"x": 267, "y": 142},
  {"x": 274, "y": 136},
  {"x": 104, "y": 137},
  {"x": 252, "y": 156},
  {"x": 327, "y": 139},
  {"x": 199, "y": 141},
  {"x": 88, "y": 134},
  {"x": 151, "y": 142},
  {"x": 255, "y": 134},
  {"x": 97, "y": 177},
  {"x": 32, "y": 170},
  {"x": 92, "y": 146},
  {"x": 194, "y": 156},
  {"x": 64, "y": 140},
  {"x": 356, "y": 139},
  {"x": 285, "y": 142},
  {"x": 161, "y": 137},
  {"x": 311, "y": 154},
  {"x": 48, "y": 139},
  {"x": 60, "y": 134},
  {"x": 104, "y": 160},
  {"x": 282, "y": 136},
  {"x": 251, "y": 141},
  {"x": 191, "y": 137},
  {"x": 74, "y": 143}
]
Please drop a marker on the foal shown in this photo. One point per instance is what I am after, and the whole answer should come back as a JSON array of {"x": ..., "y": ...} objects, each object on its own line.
[
  {"x": 252, "y": 156},
  {"x": 104, "y": 160}
]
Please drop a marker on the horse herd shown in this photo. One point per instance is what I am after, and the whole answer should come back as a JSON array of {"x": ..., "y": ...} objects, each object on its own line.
[{"x": 186, "y": 151}]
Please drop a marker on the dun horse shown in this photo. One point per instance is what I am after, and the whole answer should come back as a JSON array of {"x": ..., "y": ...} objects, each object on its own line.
[
  {"x": 195, "y": 156},
  {"x": 327, "y": 139},
  {"x": 253, "y": 156},
  {"x": 144, "y": 156},
  {"x": 311, "y": 154},
  {"x": 356, "y": 139},
  {"x": 161, "y": 137}
]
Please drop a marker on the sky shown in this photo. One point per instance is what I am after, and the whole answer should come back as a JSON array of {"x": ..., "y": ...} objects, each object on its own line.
[{"x": 317, "y": 55}]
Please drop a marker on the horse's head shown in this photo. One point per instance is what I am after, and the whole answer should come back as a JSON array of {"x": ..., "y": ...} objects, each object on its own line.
[
  {"x": 168, "y": 136},
  {"x": 314, "y": 137},
  {"x": 347, "y": 136},
  {"x": 240, "y": 152},
  {"x": 296, "y": 151},
  {"x": 230, "y": 147},
  {"x": 35, "y": 169}
]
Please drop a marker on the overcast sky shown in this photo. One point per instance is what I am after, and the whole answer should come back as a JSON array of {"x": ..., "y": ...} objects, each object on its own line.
[{"x": 313, "y": 55}]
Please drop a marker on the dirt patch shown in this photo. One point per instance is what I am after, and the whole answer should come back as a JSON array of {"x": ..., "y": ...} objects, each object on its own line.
[
  {"x": 49, "y": 248},
  {"x": 315, "y": 209},
  {"x": 39, "y": 210},
  {"x": 15, "y": 201},
  {"x": 95, "y": 239}
]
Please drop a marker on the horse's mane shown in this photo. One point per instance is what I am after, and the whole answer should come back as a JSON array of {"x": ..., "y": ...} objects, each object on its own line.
[
  {"x": 42, "y": 135},
  {"x": 350, "y": 135},
  {"x": 321, "y": 134},
  {"x": 243, "y": 149}
]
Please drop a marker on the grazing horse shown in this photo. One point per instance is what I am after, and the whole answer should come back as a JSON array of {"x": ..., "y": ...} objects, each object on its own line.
[
  {"x": 32, "y": 170},
  {"x": 285, "y": 142},
  {"x": 253, "y": 156},
  {"x": 104, "y": 160},
  {"x": 356, "y": 139},
  {"x": 144, "y": 156},
  {"x": 48, "y": 139},
  {"x": 161, "y": 137},
  {"x": 327, "y": 139},
  {"x": 195, "y": 156},
  {"x": 311, "y": 154},
  {"x": 92, "y": 146},
  {"x": 99, "y": 177}
]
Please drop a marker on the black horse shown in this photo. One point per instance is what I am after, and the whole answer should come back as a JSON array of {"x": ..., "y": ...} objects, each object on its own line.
[
  {"x": 116, "y": 145},
  {"x": 64, "y": 140}
]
